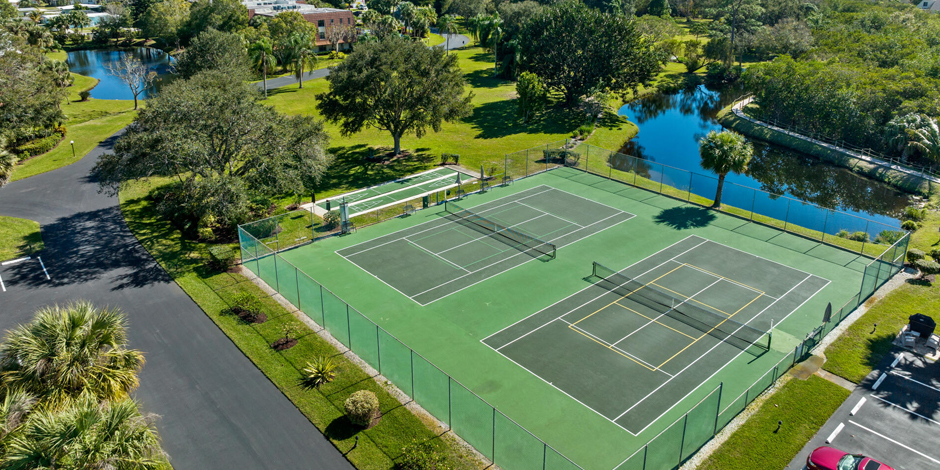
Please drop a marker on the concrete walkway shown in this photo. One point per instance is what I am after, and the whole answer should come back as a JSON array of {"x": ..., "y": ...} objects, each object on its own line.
[{"x": 218, "y": 410}]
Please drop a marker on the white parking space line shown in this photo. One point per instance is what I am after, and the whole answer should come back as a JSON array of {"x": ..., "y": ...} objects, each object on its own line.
[
  {"x": 905, "y": 409},
  {"x": 858, "y": 406},
  {"x": 896, "y": 374},
  {"x": 896, "y": 442},
  {"x": 14, "y": 261},
  {"x": 44, "y": 268},
  {"x": 835, "y": 433},
  {"x": 2, "y": 286},
  {"x": 878, "y": 382}
]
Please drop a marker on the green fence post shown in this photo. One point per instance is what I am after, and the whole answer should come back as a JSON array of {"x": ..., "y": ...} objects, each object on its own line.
[
  {"x": 685, "y": 424},
  {"x": 825, "y": 223},
  {"x": 313, "y": 231},
  {"x": 412, "y": 373},
  {"x": 544, "y": 454},
  {"x": 277, "y": 282},
  {"x": 786, "y": 218},
  {"x": 753, "y": 203},
  {"x": 297, "y": 279},
  {"x": 257, "y": 261},
  {"x": 322, "y": 307},
  {"x": 450, "y": 421},
  {"x": 527, "y": 162},
  {"x": 378, "y": 348},
  {"x": 494, "y": 436},
  {"x": 348, "y": 329},
  {"x": 721, "y": 386},
  {"x": 689, "y": 199}
]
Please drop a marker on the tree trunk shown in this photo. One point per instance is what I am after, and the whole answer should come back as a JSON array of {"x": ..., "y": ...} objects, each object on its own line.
[
  {"x": 397, "y": 138},
  {"x": 301, "y": 77},
  {"x": 135, "y": 102},
  {"x": 264, "y": 73},
  {"x": 721, "y": 183}
]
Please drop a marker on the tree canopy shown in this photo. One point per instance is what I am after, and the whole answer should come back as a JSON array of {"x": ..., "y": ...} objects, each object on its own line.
[
  {"x": 223, "y": 147},
  {"x": 578, "y": 50},
  {"x": 395, "y": 85},
  {"x": 215, "y": 50},
  {"x": 724, "y": 152},
  {"x": 223, "y": 15}
]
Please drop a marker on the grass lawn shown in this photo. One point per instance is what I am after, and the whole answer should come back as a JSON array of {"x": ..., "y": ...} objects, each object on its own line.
[
  {"x": 489, "y": 133},
  {"x": 754, "y": 446},
  {"x": 434, "y": 39},
  {"x": 18, "y": 237},
  {"x": 214, "y": 291}
]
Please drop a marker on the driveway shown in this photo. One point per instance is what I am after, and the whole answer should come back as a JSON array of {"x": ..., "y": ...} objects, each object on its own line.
[
  {"x": 893, "y": 416},
  {"x": 218, "y": 410}
]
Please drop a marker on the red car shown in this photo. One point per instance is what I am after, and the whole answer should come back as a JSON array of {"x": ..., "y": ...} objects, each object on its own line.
[{"x": 828, "y": 458}]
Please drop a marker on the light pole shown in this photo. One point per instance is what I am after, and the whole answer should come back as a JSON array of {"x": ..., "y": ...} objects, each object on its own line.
[{"x": 73, "y": 148}]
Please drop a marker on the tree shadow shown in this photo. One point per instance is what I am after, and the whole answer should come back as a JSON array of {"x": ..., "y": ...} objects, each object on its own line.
[
  {"x": 352, "y": 167},
  {"x": 89, "y": 246},
  {"x": 484, "y": 78},
  {"x": 683, "y": 218},
  {"x": 499, "y": 119},
  {"x": 341, "y": 429}
]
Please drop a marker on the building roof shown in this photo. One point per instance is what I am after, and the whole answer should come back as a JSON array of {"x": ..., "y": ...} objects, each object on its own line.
[{"x": 273, "y": 7}]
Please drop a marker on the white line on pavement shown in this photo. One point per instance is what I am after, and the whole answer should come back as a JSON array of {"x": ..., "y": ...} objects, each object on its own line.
[
  {"x": 896, "y": 442},
  {"x": 14, "y": 261},
  {"x": 857, "y": 406}
]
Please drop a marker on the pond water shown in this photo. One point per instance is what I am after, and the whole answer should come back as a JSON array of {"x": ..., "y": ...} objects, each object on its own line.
[
  {"x": 672, "y": 124},
  {"x": 93, "y": 63}
]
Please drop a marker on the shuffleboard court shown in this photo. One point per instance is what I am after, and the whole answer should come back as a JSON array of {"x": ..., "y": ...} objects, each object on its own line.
[
  {"x": 363, "y": 200},
  {"x": 636, "y": 342},
  {"x": 433, "y": 260}
]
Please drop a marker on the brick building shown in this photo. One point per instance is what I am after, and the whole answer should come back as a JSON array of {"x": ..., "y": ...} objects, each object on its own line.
[{"x": 323, "y": 19}]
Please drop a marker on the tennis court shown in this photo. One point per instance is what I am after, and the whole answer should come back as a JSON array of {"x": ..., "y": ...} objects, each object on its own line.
[
  {"x": 636, "y": 342},
  {"x": 433, "y": 260},
  {"x": 392, "y": 192}
]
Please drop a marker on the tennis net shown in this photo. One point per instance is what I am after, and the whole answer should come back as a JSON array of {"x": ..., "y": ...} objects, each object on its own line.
[
  {"x": 514, "y": 238},
  {"x": 720, "y": 326}
]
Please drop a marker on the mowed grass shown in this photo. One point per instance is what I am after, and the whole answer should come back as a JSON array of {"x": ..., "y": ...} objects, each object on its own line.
[
  {"x": 18, "y": 237},
  {"x": 214, "y": 292},
  {"x": 487, "y": 135},
  {"x": 803, "y": 406}
]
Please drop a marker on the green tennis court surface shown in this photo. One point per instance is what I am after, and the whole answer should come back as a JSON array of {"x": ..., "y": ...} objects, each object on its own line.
[
  {"x": 493, "y": 311},
  {"x": 630, "y": 354},
  {"x": 400, "y": 190},
  {"x": 431, "y": 261}
]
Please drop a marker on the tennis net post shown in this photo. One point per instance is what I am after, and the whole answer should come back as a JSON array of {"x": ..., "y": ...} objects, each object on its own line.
[{"x": 515, "y": 238}]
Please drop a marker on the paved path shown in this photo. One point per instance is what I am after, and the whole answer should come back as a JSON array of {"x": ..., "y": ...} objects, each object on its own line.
[
  {"x": 456, "y": 41},
  {"x": 218, "y": 410}
]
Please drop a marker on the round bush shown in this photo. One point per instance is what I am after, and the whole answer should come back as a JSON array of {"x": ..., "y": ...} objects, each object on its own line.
[
  {"x": 909, "y": 225},
  {"x": 927, "y": 267},
  {"x": 84, "y": 95},
  {"x": 913, "y": 255},
  {"x": 362, "y": 407}
]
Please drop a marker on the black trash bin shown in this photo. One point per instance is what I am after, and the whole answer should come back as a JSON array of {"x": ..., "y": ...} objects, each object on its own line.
[{"x": 922, "y": 324}]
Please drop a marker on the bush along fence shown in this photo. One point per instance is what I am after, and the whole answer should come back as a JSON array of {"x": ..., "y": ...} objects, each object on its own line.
[{"x": 496, "y": 436}]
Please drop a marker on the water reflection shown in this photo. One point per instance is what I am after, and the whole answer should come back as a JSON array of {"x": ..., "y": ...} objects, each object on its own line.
[
  {"x": 672, "y": 124},
  {"x": 93, "y": 63}
]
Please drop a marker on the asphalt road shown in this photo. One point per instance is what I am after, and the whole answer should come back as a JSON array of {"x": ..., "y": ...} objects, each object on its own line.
[
  {"x": 893, "y": 416},
  {"x": 218, "y": 410},
  {"x": 456, "y": 41}
]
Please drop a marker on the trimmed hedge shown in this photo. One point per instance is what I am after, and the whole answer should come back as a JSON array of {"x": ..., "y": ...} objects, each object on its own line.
[
  {"x": 914, "y": 255},
  {"x": 927, "y": 267},
  {"x": 40, "y": 146}
]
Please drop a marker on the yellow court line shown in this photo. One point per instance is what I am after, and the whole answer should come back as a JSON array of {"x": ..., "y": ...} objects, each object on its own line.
[
  {"x": 625, "y": 296},
  {"x": 709, "y": 331},
  {"x": 693, "y": 300},
  {"x": 725, "y": 278},
  {"x": 610, "y": 347},
  {"x": 657, "y": 322}
]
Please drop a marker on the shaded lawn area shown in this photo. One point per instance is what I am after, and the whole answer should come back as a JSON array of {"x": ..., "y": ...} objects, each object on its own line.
[
  {"x": 18, "y": 237},
  {"x": 755, "y": 446},
  {"x": 215, "y": 291},
  {"x": 89, "y": 123},
  {"x": 854, "y": 354},
  {"x": 487, "y": 135}
]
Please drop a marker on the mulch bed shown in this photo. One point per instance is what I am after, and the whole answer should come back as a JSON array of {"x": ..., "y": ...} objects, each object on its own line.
[
  {"x": 249, "y": 317},
  {"x": 283, "y": 344}
]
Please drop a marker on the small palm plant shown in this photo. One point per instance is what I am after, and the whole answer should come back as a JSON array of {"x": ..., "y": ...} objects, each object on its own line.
[
  {"x": 319, "y": 371},
  {"x": 7, "y": 162},
  {"x": 724, "y": 152}
]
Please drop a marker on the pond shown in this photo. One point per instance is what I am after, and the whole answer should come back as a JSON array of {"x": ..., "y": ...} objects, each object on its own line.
[
  {"x": 93, "y": 63},
  {"x": 672, "y": 124}
]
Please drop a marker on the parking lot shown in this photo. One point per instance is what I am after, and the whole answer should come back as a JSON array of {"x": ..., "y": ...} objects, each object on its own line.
[
  {"x": 893, "y": 416},
  {"x": 22, "y": 272}
]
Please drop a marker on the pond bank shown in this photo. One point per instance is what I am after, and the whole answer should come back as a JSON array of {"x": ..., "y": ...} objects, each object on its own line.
[{"x": 914, "y": 184}]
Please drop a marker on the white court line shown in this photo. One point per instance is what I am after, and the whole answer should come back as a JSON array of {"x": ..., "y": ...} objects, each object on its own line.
[
  {"x": 765, "y": 259},
  {"x": 835, "y": 433},
  {"x": 710, "y": 350},
  {"x": 588, "y": 287},
  {"x": 486, "y": 236},
  {"x": 613, "y": 346},
  {"x": 896, "y": 442},
  {"x": 553, "y": 215},
  {"x": 371, "y": 202},
  {"x": 903, "y": 408},
  {"x": 44, "y": 268},
  {"x": 416, "y": 175},
  {"x": 595, "y": 298},
  {"x": 673, "y": 308},
  {"x": 15, "y": 261},
  {"x": 438, "y": 257},
  {"x": 521, "y": 253},
  {"x": 441, "y": 222},
  {"x": 730, "y": 280}
]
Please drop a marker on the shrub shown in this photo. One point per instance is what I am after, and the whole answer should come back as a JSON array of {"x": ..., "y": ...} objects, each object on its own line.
[
  {"x": 889, "y": 237},
  {"x": 222, "y": 257},
  {"x": 859, "y": 236},
  {"x": 337, "y": 55},
  {"x": 84, "y": 95},
  {"x": 842, "y": 233},
  {"x": 319, "y": 371},
  {"x": 421, "y": 456},
  {"x": 927, "y": 267},
  {"x": 331, "y": 220},
  {"x": 909, "y": 225},
  {"x": 246, "y": 302},
  {"x": 586, "y": 129},
  {"x": 915, "y": 214},
  {"x": 914, "y": 255},
  {"x": 42, "y": 145},
  {"x": 362, "y": 407},
  {"x": 555, "y": 155},
  {"x": 935, "y": 254}
]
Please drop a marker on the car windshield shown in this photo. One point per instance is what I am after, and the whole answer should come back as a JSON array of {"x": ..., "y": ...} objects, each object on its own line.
[{"x": 850, "y": 462}]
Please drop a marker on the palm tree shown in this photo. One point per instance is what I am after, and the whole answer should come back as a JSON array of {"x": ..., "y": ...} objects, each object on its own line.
[
  {"x": 447, "y": 25},
  {"x": 14, "y": 409},
  {"x": 67, "y": 352},
  {"x": 724, "y": 152},
  {"x": 112, "y": 434},
  {"x": 302, "y": 54},
  {"x": 927, "y": 140},
  {"x": 262, "y": 56},
  {"x": 7, "y": 162},
  {"x": 475, "y": 24},
  {"x": 35, "y": 16}
]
